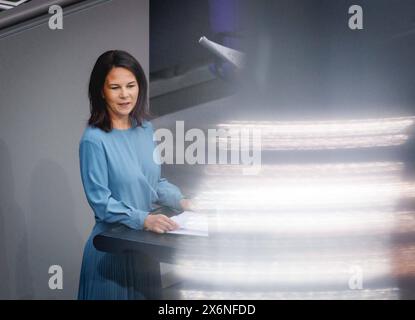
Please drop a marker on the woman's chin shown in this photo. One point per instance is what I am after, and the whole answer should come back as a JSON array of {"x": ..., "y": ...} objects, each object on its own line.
[{"x": 124, "y": 113}]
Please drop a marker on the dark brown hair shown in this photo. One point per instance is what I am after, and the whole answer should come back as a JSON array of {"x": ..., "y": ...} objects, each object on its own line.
[{"x": 100, "y": 117}]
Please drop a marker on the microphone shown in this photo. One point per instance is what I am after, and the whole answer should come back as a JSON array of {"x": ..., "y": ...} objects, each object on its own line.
[{"x": 235, "y": 57}]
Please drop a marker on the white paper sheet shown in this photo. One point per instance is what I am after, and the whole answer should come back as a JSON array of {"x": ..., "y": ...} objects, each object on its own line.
[{"x": 191, "y": 223}]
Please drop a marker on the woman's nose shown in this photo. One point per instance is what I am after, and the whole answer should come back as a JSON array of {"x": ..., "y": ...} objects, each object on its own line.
[{"x": 123, "y": 93}]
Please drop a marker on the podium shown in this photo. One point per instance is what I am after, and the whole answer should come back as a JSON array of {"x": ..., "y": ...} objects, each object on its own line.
[{"x": 150, "y": 249}]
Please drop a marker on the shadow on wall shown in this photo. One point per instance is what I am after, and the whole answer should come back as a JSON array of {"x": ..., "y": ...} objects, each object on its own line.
[
  {"x": 15, "y": 274},
  {"x": 54, "y": 238}
]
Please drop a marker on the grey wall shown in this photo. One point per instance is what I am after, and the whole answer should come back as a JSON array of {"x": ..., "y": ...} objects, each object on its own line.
[{"x": 44, "y": 216}]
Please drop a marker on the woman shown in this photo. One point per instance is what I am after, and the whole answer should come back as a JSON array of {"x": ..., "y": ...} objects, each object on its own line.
[{"x": 120, "y": 178}]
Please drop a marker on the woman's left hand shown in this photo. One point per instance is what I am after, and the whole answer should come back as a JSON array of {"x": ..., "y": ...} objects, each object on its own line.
[{"x": 187, "y": 205}]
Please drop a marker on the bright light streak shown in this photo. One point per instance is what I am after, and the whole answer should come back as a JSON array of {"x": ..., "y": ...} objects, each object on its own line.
[
  {"x": 311, "y": 196},
  {"x": 338, "y": 187},
  {"x": 312, "y": 170},
  {"x": 304, "y": 271},
  {"x": 324, "y": 135},
  {"x": 373, "y": 294}
]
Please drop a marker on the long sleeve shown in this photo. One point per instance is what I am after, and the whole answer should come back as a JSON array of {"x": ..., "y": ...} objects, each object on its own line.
[
  {"x": 168, "y": 194},
  {"x": 94, "y": 174}
]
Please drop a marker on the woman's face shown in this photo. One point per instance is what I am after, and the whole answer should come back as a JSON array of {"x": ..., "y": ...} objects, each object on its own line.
[{"x": 120, "y": 92}]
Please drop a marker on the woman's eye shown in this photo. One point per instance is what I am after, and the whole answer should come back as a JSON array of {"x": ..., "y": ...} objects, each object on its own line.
[{"x": 131, "y": 86}]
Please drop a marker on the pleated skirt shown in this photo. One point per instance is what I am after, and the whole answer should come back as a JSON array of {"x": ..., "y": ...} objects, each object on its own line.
[{"x": 108, "y": 276}]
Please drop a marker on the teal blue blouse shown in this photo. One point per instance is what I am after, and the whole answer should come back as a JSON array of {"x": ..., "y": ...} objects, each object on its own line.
[{"x": 120, "y": 177}]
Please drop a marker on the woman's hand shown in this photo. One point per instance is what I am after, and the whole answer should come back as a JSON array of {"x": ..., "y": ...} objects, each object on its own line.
[
  {"x": 187, "y": 205},
  {"x": 159, "y": 223}
]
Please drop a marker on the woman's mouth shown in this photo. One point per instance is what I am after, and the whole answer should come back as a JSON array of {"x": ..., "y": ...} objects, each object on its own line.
[{"x": 124, "y": 105}]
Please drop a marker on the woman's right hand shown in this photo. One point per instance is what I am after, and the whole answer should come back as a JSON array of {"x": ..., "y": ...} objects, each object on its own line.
[{"x": 159, "y": 223}]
